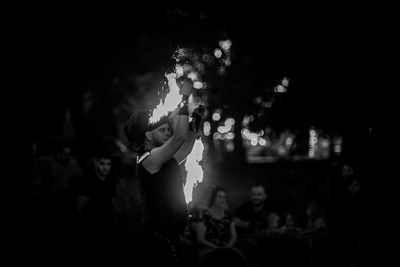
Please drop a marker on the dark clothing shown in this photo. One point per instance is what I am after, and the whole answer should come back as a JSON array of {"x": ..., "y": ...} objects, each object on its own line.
[
  {"x": 258, "y": 220},
  {"x": 59, "y": 180},
  {"x": 100, "y": 194},
  {"x": 218, "y": 230},
  {"x": 165, "y": 214},
  {"x": 57, "y": 184},
  {"x": 99, "y": 214},
  {"x": 163, "y": 198}
]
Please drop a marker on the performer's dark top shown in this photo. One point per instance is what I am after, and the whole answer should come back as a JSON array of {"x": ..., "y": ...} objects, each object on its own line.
[{"x": 163, "y": 198}]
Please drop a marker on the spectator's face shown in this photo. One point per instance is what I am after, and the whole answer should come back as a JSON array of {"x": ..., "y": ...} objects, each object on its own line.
[
  {"x": 311, "y": 210},
  {"x": 161, "y": 134},
  {"x": 354, "y": 187},
  {"x": 103, "y": 166},
  {"x": 289, "y": 220},
  {"x": 258, "y": 195},
  {"x": 220, "y": 199},
  {"x": 65, "y": 155}
]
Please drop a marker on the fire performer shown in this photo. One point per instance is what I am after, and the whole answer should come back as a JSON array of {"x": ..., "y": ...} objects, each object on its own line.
[{"x": 161, "y": 147}]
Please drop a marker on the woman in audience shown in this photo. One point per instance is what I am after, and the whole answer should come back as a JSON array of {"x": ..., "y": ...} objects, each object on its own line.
[{"x": 215, "y": 228}]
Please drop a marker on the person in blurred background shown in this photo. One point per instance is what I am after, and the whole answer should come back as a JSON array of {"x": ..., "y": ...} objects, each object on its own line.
[
  {"x": 290, "y": 226},
  {"x": 95, "y": 206},
  {"x": 161, "y": 147},
  {"x": 215, "y": 228},
  {"x": 273, "y": 224},
  {"x": 251, "y": 219},
  {"x": 251, "y": 216},
  {"x": 317, "y": 233},
  {"x": 58, "y": 177}
]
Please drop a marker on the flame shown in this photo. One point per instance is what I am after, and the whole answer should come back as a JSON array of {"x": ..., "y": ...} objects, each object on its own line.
[
  {"x": 194, "y": 170},
  {"x": 172, "y": 100}
]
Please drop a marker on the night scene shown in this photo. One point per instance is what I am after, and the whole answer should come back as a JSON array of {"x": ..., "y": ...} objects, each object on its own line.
[{"x": 203, "y": 134}]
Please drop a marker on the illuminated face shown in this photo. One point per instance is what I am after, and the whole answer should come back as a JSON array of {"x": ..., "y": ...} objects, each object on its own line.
[
  {"x": 102, "y": 167},
  {"x": 258, "y": 195},
  {"x": 161, "y": 134},
  {"x": 220, "y": 199}
]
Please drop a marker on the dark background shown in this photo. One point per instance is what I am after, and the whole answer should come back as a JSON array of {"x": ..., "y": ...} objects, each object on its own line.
[{"x": 339, "y": 60}]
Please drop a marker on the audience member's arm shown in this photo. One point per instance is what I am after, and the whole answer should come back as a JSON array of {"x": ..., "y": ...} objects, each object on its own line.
[
  {"x": 317, "y": 227},
  {"x": 241, "y": 223},
  {"x": 232, "y": 240},
  {"x": 200, "y": 236}
]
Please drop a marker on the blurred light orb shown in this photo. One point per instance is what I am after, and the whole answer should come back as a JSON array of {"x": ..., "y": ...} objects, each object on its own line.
[
  {"x": 229, "y": 121},
  {"x": 206, "y": 58},
  {"x": 280, "y": 89},
  {"x": 192, "y": 75},
  {"x": 288, "y": 141},
  {"x": 230, "y": 147},
  {"x": 224, "y": 129},
  {"x": 198, "y": 85},
  {"x": 221, "y": 70},
  {"x": 267, "y": 104},
  {"x": 179, "y": 70},
  {"x": 217, "y": 53},
  {"x": 228, "y": 62},
  {"x": 206, "y": 128},
  {"x": 285, "y": 82},
  {"x": 216, "y": 116},
  {"x": 258, "y": 100},
  {"x": 216, "y": 136},
  {"x": 262, "y": 141},
  {"x": 253, "y": 142},
  {"x": 225, "y": 44},
  {"x": 229, "y": 136}
]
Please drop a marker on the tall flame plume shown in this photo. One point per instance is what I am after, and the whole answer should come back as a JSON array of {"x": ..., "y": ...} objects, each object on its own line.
[
  {"x": 194, "y": 169},
  {"x": 172, "y": 100}
]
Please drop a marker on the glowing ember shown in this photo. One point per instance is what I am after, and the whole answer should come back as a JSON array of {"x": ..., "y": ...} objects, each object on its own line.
[
  {"x": 171, "y": 101},
  {"x": 194, "y": 169}
]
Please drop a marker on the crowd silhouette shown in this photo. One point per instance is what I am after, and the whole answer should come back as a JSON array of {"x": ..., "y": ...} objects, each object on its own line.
[{"x": 88, "y": 209}]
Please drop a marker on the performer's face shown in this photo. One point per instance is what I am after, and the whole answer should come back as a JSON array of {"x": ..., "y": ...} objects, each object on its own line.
[{"x": 161, "y": 134}]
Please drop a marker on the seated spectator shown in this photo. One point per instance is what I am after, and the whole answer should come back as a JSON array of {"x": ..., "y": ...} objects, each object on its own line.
[
  {"x": 95, "y": 205},
  {"x": 317, "y": 234},
  {"x": 290, "y": 227},
  {"x": 273, "y": 224},
  {"x": 251, "y": 216},
  {"x": 58, "y": 177},
  {"x": 316, "y": 224},
  {"x": 215, "y": 228}
]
